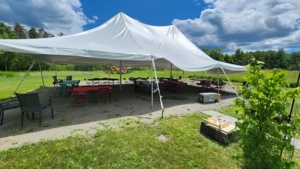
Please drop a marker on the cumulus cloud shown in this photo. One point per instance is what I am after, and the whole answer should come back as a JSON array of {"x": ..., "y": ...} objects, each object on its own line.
[
  {"x": 249, "y": 25},
  {"x": 54, "y": 16}
]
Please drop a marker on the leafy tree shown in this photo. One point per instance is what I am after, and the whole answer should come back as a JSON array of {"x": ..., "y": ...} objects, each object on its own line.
[
  {"x": 32, "y": 33},
  {"x": 61, "y": 34},
  {"x": 239, "y": 57},
  {"x": 228, "y": 58},
  {"x": 264, "y": 129},
  {"x": 44, "y": 34},
  {"x": 294, "y": 62},
  {"x": 20, "y": 31},
  {"x": 5, "y": 33}
]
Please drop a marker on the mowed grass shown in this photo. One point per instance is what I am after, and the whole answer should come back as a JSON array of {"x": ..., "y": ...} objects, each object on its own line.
[
  {"x": 33, "y": 81},
  {"x": 131, "y": 145}
]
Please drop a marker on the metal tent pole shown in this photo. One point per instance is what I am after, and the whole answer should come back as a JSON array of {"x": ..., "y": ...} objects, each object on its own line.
[
  {"x": 42, "y": 77},
  {"x": 30, "y": 67},
  {"x": 230, "y": 82},
  {"x": 120, "y": 70},
  {"x": 151, "y": 77},
  {"x": 171, "y": 71},
  {"x": 158, "y": 90}
]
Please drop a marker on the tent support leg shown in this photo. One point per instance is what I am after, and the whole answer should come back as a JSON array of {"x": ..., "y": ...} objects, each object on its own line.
[
  {"x": 42, "y": 77},
  {"x": 151, "y": 77},
  {"x": 158, "y": 90},
  {"x": 30, "y": 67},
  {"x": 230, "y": 82},
  {"x": 55, "y": 69},
  {"x": 171, "y": 72},
  {"x": 120, "y": 70},
  {"x": 218, "y": 80}
]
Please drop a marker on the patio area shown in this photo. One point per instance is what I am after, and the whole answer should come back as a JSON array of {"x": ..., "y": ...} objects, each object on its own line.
[{"x": 70, "y": 119}]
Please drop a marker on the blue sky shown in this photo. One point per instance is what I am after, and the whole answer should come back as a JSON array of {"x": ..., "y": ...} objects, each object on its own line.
[{"x": 226, "y": 24}]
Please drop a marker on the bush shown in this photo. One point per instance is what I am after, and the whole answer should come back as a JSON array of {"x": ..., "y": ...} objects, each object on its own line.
[{"x": 7, "y": 74}]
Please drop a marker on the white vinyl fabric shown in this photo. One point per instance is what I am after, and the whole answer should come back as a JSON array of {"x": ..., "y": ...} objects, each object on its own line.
[{"x": 121, "y": 38}]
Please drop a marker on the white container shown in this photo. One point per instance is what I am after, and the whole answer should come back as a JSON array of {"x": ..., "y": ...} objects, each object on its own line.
[{"x": 209, "y": 97}]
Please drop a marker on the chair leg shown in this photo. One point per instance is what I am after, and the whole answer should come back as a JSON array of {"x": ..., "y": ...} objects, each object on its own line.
[
  {"x": 22, "y": 114},
  {"x": 40, "y": 121},
  {"x": 27, "y": 115},
  {"x": 2, "y": 116},
  {"x": 52, "y": 112}
]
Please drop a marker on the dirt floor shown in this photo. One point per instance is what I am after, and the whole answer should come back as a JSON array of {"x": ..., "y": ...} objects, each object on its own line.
[{"x": 82, "y": 119}]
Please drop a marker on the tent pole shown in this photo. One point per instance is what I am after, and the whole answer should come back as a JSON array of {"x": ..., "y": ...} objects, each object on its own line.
[
  {"x": 230, "y": 82},
  {"x": 55, "y": 69},
  {"x": 151, "y": 78},
  {"x": 42, "y": 77},
  {"x": 158, "y": 90},
  {"x": 120, "y": 75},
  {"x": 171, "y": 72},
  {"x": 218, "y": 79},
  {"x": 30, "y": 67}
]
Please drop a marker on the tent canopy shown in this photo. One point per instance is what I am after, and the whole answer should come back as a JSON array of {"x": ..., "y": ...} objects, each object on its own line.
[{"x": 121, "y": 38}]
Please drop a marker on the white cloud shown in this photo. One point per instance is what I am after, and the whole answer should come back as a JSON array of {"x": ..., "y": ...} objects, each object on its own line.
[
  {"x": 54, "y": 16},
  {"x": 249, "y": 25}
]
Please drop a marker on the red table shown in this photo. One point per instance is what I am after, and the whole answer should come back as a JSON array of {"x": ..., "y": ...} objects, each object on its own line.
[
  {"x": 90, "y": 88},
  {"x": 174, "y": 84}
]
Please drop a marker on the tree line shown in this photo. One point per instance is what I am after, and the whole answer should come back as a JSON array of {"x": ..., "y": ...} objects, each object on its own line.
[{"x": 10, "y": 61}]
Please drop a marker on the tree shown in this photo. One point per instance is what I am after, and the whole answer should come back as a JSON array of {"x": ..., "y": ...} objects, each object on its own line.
[
  {"x": 44, "y": 34},
  {"x": 20, "y": 31},
  {"x": 239, "y": 57},
  {"x": 5, "y": 33},
  {"x": 32, "y": 33},
  {"x": 264, "y": 129},
  {"x": 61, "y": 34}
]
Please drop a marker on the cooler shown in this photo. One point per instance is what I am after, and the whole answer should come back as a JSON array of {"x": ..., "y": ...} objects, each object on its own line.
[{"x": 207, "y": 97}]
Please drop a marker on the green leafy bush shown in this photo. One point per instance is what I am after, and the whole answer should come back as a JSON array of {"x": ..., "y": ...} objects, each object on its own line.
[
  {"x": 265, "y": 130},
  {"x": 7, "y": 74}
]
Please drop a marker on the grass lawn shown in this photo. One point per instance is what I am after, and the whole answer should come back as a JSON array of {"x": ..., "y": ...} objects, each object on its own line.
[{"x": 131, "y": 145}]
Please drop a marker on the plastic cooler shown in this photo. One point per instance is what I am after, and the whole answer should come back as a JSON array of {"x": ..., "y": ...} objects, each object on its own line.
[{"x": 208, "y": 97}]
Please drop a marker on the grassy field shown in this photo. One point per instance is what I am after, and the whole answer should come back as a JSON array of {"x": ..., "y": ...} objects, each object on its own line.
[
  {"x": 9, "y": 81},
  {"x": 131, "y": 145}
]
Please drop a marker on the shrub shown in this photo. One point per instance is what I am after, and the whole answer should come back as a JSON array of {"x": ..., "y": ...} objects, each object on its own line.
[
  {"x": 7, "y": 74},
  {"x": 265, "y": 129}
]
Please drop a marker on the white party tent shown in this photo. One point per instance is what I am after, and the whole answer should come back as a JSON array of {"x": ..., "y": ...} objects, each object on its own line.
[{"x": 122, "y": 40}]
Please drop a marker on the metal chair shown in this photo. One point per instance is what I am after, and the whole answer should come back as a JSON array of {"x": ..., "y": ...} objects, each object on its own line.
[
  {"x": 30, "y": 102},
  {"x": 81, "y": 96},
  {"x": 56, "y": 81},
  {"x": 68, "y": 77},
  {"x": 7, "y": 106},
  {"x": 103, "y": 93}
]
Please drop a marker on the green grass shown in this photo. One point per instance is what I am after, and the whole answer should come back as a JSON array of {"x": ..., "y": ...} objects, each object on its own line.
[
  {"x": 9, "y": 81},
  {"x": 132, "y": 145}
]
